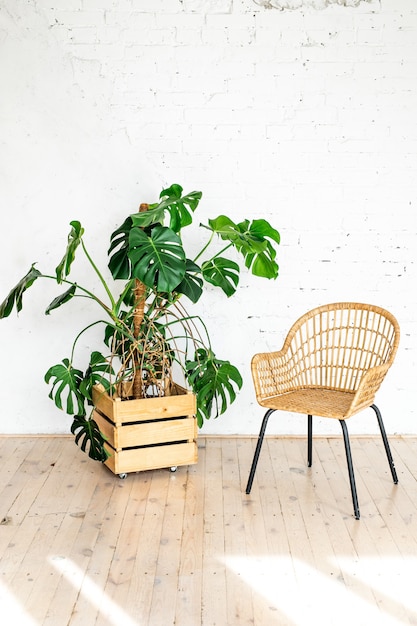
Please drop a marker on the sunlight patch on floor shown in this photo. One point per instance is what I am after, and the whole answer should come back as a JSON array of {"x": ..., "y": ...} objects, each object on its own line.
[
  {"x": 79, "y": 580},
  {"x": 11, "y": 609},
  {"x": 307, "y": 596},
  {"x": 395, "y": 580}
]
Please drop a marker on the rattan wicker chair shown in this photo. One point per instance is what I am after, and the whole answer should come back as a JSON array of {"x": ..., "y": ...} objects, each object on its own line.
[{"x": 332, "y": 363}]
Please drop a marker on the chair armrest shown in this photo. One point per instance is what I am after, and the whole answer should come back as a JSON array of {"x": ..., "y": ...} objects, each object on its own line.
[
  {"x": 368, "y": 386},
  {"x": 271, "y": 373}
]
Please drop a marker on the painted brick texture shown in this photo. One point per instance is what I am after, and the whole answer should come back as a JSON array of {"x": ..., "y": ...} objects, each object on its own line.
[{"x": 306, "y": 117}]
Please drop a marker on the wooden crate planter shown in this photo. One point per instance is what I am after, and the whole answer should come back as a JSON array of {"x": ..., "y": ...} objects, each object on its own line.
[{"x": 149, "y": 433}]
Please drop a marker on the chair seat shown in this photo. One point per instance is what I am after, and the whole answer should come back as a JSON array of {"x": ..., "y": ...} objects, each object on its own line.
[{"x": 313, "y": 401}]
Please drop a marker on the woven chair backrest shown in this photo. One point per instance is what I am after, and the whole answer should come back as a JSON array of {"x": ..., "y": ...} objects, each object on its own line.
[{"x": 334, "y": 345}]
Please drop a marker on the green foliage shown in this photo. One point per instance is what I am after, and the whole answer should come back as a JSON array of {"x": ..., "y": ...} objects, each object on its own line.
[
  {"x": 178, "y": 207},
  {"x": 148, "y": 248},
  {"x": 252, "y": 241},
  {"x": 16, "y": 294},
  {"x": 223, "y": 273},
  {"x": 213, "y": 381},
  {"x": 119, "y": 263},
  {"x": 89, "y": 438},
  {"x": 158, "y": 259},
  {"x": 62, "y": 299},
  {"x": 68, "y": 379},
  {"x": 98, "y": 371},
  {"x": 191, "y": 285},
  {"x": 74, "y": 240}
]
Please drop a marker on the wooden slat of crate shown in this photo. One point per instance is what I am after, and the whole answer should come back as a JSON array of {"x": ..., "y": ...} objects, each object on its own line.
[
  {"x": 144, "y": 434},
  {"x": 102, "y": 399},
  {"x": 154, "y": 457},
  {"x": 121, "y": 412}
]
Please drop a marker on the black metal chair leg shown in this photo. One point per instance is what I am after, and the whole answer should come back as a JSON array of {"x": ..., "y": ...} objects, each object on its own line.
[
  {"x": 309, "y": 440},
  {"x": 350, "y": 469},
  {"x": 386, "y": 444},
  {"x": 258, "y": 449}
]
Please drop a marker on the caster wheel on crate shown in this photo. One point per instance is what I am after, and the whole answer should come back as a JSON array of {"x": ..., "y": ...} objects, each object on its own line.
[
  {"x": 173, "y": 468},
  {"x": 123, "y": 475}
]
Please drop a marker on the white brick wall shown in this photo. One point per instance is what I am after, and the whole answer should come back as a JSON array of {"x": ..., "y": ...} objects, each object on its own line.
[{"x": 306, "y": 117}]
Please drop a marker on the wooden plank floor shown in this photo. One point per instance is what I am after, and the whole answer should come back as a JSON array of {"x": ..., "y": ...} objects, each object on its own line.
[{"x": 80, "y": 546}]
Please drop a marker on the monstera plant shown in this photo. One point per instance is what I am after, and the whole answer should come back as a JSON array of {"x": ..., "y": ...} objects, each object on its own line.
[{"x": 147, "y": 332}]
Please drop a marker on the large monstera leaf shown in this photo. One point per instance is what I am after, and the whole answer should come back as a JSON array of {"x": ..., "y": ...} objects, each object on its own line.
[
  {"x": 71, "y": 389},
  {"x": 191, "y": 285},
  {"x": 15, "y": 296},
  {"x": 253, "y": 241},
  {"x": 119, "y": 263},
  {"x": 223, "y": 273},
  {"x": 179, "y": 209},
  {"x": 158, "y": 259},
  {"x": 89, "y": 438},
  {"x": 214, "y": 382},
  {"x": 172, "y": 201},
  {"x": 98, "y": 372},
  {"x": 66, "y": 380}
]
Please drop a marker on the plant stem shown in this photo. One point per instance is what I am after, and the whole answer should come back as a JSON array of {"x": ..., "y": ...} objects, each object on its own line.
[
  {"x": 89, "y": 294},
  {"x": 126, "y": 290},
  {"x": 206, "y": 246},
  {"x": 229, "y": 245},
  {"x": 80, "y": 333},
  {"x": 97, "y": 271}
]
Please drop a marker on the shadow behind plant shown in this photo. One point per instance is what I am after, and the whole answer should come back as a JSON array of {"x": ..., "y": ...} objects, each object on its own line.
[{"x": 147, "y": 331}]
